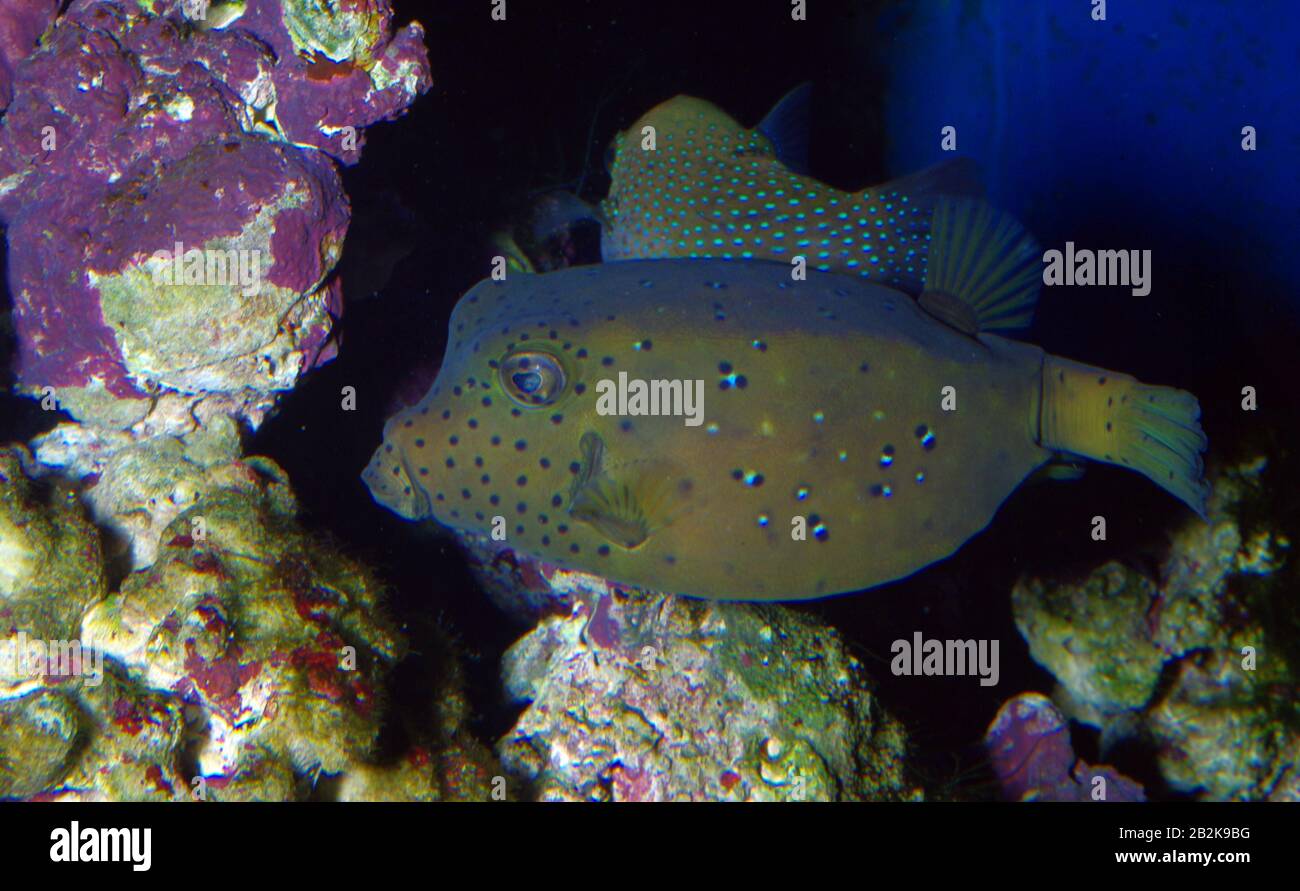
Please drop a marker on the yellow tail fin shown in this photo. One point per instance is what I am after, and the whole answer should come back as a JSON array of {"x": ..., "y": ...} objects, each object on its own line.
[{"x": 1120, "y": 420}]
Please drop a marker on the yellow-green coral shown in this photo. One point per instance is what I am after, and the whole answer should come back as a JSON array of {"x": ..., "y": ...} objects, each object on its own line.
[
  {"x": 38, "y": 733},
  {"x": 281, "y": 638},
  {"x": 133, "y": 740},
  {"x": 338, "y": 31},
  {"x": 51, "y": 567}
]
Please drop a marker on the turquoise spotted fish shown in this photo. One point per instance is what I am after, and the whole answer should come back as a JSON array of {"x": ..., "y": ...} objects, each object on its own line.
[
  {"x": 687, "y": 180},
  {"x": 719, "y": 429}
]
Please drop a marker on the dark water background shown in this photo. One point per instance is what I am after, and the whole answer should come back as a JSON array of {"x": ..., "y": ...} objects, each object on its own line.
[{"x": 520, "y": 108}]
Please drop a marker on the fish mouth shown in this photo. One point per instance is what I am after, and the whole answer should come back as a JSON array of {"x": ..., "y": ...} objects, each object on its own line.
[{"x": 397, "y": 492}]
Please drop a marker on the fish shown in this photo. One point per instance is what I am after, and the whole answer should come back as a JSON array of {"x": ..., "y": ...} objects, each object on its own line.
[
  {"x": 812, "y": 437},
  {"x": 710, "y": 187}
]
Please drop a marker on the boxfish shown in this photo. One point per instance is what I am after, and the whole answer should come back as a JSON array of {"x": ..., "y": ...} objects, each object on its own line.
[
  {"x": 727, "y": 429},
  {"x": 687, "y": 180}
]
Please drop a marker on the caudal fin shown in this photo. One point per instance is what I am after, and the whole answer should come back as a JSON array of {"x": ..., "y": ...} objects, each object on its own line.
[{"x": 1120, "y": 420}]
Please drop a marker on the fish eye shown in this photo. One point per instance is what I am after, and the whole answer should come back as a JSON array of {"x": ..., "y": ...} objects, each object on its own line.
[{"x": 532, "y": 378}]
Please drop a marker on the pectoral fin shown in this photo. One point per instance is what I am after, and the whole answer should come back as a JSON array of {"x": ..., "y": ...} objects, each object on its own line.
[
  {"x": 621, "y": 505},
  {"x": 613, "y": 510}
]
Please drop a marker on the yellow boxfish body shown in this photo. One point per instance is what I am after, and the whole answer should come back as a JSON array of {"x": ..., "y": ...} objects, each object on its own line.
[
  {"x": 844, "y": 437},
  {"x": 687, "y": 180}
]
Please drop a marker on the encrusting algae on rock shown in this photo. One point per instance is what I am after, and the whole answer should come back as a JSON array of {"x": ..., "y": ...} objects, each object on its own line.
[
  {"x": 640, "y": 696},
  {"x": 51, "y": 565},
  {"x": 247, "y": 662},
  {"x": 1195, "y": 659},
  {"x": 281, "y": 641}
]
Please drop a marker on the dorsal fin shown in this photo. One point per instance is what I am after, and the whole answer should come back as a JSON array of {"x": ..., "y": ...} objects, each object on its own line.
[
  {"x": 984, "y": 269},
  {"x": 955, "y": 177},
  {"x": 787, "y": 126}
]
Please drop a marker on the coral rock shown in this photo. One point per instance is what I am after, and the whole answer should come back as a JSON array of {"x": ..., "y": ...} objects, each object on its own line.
[{"x": 645, "y": 696}]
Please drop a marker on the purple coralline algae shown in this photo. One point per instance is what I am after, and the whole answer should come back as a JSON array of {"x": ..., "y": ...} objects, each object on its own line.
[
  {"x": 636, "y": 696},
  {"x": 1184, "y": 658},
  {"x": 169, "y": 189},
  {"x": 1033, "y": 759},
  {"x": 174, "y": 213},
  {"x": 22, "y": 23}
]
